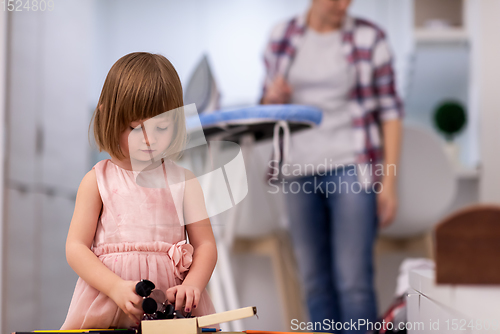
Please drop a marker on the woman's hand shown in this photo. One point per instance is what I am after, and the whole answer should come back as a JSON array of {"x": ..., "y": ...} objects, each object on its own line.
[
  {"x": 387, "y": 201},
  {"x": 123, "y": 294},
  {"x": 279, "y": 92},
  {"x": 387, "y": 204},
  {"x": 186, "y": 295}
]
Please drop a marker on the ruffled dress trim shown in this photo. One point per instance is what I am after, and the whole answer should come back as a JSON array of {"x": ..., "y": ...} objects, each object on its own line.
[{"x": 180, "y": 253}]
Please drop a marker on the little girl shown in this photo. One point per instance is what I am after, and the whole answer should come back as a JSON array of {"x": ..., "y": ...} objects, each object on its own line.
[{"x": 122, "y": 231}]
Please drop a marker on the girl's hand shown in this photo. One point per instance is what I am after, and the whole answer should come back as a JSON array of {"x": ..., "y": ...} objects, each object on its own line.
[
  {"x": 123, "y": 294},
  {"x": 186, "y": 295}
]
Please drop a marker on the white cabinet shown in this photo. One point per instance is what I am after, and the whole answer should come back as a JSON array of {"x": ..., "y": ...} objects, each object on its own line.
[
  {"x": 46, "y": 157},
  {"x": 441, "y": 309}
]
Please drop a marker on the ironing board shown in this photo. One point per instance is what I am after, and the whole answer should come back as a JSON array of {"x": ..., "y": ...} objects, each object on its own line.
[
  {"x": 245, "y": 126},
  {"x": 259, "y": 120}
]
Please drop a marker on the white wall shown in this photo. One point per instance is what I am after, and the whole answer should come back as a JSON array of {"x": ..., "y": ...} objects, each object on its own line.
[{"x": 485, "y": 28}]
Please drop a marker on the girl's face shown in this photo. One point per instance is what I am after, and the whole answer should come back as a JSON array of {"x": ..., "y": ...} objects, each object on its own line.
[{"x": 146, "y": 141}]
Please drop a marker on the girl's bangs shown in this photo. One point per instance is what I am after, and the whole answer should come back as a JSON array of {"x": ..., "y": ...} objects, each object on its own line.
[{"x": 148, "y": 99}]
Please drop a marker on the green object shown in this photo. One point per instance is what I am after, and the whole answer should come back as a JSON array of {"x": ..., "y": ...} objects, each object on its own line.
[{"x": 450, "y": 118}]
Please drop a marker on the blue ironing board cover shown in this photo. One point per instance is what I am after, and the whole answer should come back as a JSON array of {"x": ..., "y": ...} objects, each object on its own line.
[{"x": 291, "y": 113}]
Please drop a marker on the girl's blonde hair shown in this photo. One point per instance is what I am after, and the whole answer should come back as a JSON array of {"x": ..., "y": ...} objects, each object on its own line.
[{"x": 139, "y": 86}]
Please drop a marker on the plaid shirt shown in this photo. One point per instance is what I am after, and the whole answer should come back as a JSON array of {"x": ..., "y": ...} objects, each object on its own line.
[{"x": 365, "y": 48}]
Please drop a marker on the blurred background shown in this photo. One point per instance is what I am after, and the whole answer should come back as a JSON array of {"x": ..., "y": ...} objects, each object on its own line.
[{"x": 53, "y": 65}]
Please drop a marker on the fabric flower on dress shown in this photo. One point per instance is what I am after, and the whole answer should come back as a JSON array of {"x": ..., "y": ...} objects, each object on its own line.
[{"x": 181, "y": 254}]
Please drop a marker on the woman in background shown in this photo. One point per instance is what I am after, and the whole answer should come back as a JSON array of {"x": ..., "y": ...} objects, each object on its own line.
[{"x": 342, "y": 65}]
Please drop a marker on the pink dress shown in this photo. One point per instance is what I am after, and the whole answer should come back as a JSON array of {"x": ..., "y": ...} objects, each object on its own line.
[{"x": 139, "y": 236}]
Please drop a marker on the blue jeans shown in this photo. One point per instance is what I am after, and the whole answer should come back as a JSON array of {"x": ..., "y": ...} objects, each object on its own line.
[{"x": 333, "y": 234}]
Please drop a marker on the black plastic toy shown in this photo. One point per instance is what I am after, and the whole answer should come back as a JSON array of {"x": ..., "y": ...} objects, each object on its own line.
[{"x": 155, "y": 304}]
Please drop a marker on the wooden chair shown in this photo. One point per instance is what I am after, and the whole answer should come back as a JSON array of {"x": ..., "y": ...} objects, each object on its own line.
[{"x": 467, "y": 246}]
